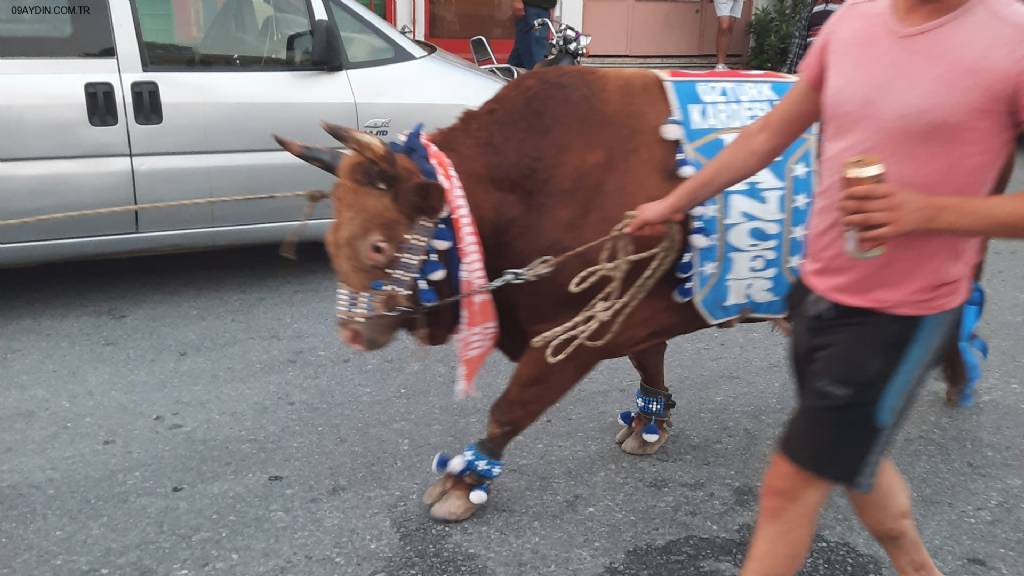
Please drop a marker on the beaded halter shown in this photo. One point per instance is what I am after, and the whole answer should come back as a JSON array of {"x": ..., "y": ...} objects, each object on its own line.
[{"x": 416, "y": 262}]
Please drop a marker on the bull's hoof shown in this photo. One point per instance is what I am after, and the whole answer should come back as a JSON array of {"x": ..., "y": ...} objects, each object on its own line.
[
  {"x": 437, "y": 490},
  {"x": 623, "y": 435},
  {"x": 634, "y": 442},
  {"x": 448, "y": 499},
  {"x": 454, "y": 504}
]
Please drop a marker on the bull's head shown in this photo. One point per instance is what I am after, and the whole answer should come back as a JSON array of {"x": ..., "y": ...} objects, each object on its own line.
[{"x": 378, "y": 197}]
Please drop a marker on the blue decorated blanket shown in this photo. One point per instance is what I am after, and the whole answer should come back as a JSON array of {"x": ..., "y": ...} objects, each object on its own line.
[{"x": 746, "y": 245}]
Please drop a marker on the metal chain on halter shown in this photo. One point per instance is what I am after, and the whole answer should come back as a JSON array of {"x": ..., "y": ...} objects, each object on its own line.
[{"x": 536, "y": 270}]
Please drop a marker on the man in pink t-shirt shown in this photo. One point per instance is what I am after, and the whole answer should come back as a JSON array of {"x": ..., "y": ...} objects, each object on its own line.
[{"x": 935, "y": 88}]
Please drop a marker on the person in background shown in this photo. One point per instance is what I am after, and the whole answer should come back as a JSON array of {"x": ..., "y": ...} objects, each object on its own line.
[
  {"x": 806, "y": 30},
  {"x": 531, "y": 46},
  {"x": 729, "y": 12}
]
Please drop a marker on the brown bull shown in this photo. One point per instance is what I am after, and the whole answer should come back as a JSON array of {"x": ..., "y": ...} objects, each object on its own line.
[{"x": 550, "y": 163}]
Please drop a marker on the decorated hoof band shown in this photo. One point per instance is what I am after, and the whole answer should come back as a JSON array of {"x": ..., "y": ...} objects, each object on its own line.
[
  {"x": 652, "y": 403},
  {"x": 471, "y": 465}
]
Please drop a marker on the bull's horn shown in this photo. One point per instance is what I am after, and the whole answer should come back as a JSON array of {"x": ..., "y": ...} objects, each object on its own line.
[
  {"x": 370, "y": 147},
  {"x": 323, "y": 158}
]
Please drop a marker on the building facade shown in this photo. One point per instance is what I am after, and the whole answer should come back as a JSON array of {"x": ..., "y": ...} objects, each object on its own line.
[{"x": 636, "y": 28}]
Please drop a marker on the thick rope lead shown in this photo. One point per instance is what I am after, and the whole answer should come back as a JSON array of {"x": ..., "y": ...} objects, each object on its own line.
[{"x": 610, "y": 304}]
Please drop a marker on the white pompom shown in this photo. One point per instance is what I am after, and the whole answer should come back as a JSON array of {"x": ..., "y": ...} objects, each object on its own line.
[
  {"x": 652, "y": 438},
  {"x": 478, "y": 497},
  {"x": 671, "y": 131},
  {"x": 437, "y": 244},
  {"x": 686, "y": 171},
  {"x": 457, "y": 464},
  {"x": 699, "y": 241}
]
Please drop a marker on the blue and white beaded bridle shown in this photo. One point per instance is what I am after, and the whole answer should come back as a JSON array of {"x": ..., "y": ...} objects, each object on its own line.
[{"x": 416, "y": 263}]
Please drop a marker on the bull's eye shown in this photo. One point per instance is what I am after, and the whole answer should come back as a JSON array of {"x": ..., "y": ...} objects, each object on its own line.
[{"x": 380, "y": 252}]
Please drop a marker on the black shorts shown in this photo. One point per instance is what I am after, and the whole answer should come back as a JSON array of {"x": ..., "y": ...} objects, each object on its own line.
[{"x": 857, "y": 372}]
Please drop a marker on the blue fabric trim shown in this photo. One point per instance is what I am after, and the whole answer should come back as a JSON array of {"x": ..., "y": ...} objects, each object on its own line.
[
  {"x": 973, "y": 349},
  {"x": 480, "y": 464},
  {"x": 413, "y": 147},
  {"x": 929, "y": 336}
]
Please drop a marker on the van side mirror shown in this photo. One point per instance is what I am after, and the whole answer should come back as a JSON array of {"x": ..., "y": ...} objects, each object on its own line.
[
  {"x": 299, "y": 49},
  {"x": 326, "y": 46}
]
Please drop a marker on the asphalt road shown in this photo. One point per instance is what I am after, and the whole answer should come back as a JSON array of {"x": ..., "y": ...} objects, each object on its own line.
[{"x": 195, "y": 414}]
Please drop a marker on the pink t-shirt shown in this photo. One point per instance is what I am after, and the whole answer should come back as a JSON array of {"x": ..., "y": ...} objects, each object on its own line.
[{"x": 941, "y": 104}]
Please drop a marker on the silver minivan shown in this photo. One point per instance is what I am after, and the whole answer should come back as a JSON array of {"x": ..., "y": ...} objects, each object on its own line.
[{"x": 120, "y": 102}]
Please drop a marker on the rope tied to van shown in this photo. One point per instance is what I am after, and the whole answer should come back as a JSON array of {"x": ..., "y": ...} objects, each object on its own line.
[{"x": 313, "y": 197}]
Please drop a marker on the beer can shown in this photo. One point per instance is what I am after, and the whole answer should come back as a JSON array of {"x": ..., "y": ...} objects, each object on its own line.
[{"x": 860, "y": 171}]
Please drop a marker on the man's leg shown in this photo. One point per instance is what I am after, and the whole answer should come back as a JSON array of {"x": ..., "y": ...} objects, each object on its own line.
[
  {"x": 538, "y": 39},
  {"x": 885, "y": 512},
  {"x": 857, "y": 372},
  {"x": 517, "y": 57},
  {"x": 725, "y": 25},
  {"x": 787, "y": 515}
]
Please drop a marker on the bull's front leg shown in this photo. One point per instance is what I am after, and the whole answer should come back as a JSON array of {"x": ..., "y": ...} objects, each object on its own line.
[
  {"x": 643, "y": 434},
  {"x": 535, "y": 386}
]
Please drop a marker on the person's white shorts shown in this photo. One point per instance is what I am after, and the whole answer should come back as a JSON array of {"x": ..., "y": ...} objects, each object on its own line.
[{"x": 732, "y": 8}]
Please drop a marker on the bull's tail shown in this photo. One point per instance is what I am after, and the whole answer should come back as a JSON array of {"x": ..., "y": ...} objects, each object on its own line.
[
  {"x": 961, "y": 362},
  {"x": 954, "y": 369}
]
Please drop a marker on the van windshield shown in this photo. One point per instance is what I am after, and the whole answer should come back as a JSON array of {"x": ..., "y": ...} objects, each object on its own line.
[{"x": 386, "y": 28}]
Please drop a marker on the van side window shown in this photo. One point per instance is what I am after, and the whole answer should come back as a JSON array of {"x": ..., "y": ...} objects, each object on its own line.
[
  {"x": 55, "y": 29},
  {"x": 224, "y": 34},
  {"x": 363, "y": 44}
]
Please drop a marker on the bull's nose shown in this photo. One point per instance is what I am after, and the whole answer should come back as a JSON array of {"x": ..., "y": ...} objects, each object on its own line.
[{"x": 352, "y": 337}]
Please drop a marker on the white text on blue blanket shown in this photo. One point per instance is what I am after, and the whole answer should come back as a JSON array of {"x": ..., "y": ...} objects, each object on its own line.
[
  {"x": 730, "y": 104},
  {"x": 750, "y": 278}
]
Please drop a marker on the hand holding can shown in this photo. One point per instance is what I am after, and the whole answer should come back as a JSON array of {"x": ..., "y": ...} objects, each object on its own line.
[{"x": 861, "y": 171}]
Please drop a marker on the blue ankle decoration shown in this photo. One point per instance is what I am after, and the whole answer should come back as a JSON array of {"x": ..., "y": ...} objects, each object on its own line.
[
  {"x": 652, "y": 403},
  {"x": 471, "y": 461},
  {"x": 973, "y": 349}
]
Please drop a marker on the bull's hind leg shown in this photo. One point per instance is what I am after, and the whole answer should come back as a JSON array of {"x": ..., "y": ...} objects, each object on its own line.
[
  {"x": 650, "y": 363},
  {"x": 535, "y": 386}
]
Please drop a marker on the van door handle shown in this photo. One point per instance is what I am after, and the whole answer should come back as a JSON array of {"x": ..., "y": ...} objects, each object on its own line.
[
  {"x": 100, "y": 104},
  {"x": 146, "y": 102}
]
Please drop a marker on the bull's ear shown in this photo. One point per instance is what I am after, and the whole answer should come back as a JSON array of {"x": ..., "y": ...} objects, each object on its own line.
[
  {"x": 424, "y": 199},
  {"x": 323, "y": 158},
  {"x": 370, "y": 147}
]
